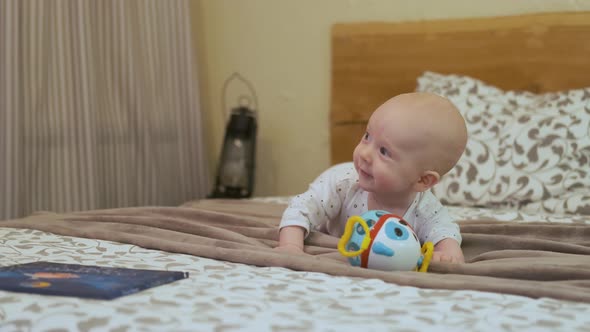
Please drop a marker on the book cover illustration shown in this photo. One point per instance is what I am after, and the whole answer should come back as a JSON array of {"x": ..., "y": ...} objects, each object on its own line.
[{"x": 85, "y": 281}]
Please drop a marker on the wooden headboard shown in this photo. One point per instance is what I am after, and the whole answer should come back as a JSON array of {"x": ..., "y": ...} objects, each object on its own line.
[{"x": 372, "y": 62}]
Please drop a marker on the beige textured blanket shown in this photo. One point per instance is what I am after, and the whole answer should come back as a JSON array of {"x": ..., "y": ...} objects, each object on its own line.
[{"x": 529, "y": 259}]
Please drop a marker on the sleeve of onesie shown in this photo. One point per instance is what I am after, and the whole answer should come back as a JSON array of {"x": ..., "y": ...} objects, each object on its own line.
[
  {"x": 436, "y": 224},
  {"x": 321, "y": 202}
]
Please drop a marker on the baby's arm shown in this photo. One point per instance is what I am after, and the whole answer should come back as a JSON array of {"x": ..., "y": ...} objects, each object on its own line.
[
  {"x": 437, "y": 226},
  {"x": 308, "y": 211},
  {"x": 291, "y": 239},
  {"x": 449, "y": 251},
  {"x": 446, "y": 237}
]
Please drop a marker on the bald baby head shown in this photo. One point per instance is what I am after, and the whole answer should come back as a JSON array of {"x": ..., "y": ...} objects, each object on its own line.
[{"x": 429, "y": 126}]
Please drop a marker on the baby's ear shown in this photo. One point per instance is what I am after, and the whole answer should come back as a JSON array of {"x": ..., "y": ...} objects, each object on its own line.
[{"x": 426, "y": 181}]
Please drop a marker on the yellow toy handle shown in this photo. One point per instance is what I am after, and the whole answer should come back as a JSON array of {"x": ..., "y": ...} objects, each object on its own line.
[
  {"x": 427, "y": 251},
  {"x": 348, "y": 234}
]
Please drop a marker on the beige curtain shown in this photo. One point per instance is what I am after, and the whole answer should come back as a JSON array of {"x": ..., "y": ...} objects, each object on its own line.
[{"x": 99, "y": 106}]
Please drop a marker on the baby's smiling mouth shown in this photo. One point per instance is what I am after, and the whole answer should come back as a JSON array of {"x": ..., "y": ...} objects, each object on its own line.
[{"x": 364, "y": 174}]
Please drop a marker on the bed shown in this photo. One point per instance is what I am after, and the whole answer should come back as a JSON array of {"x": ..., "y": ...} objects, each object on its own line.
[{"x": 526, "y": 237}]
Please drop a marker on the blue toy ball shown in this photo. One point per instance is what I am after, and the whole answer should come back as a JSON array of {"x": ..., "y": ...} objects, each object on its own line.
[
  {"x": 354, "y": 244},
  {"x": 383, "y": 241}
]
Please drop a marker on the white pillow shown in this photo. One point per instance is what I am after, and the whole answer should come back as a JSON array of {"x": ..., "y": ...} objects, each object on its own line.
[{"x": 524, "y": 149}]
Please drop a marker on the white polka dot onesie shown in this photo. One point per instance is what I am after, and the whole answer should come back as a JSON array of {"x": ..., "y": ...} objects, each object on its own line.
[{"x": 335, "y": 196}]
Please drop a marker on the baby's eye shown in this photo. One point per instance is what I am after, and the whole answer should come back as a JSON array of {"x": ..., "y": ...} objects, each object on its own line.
[
  {"x": 366, "y": 136},
  {"x": 384, "y": 151}
]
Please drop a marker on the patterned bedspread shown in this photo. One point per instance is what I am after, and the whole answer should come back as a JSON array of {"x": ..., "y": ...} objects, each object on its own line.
[{"x": 222, "y": 296}]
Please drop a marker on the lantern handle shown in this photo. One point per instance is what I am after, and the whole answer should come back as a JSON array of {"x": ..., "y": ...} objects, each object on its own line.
[{"x": 244, "y": 100}]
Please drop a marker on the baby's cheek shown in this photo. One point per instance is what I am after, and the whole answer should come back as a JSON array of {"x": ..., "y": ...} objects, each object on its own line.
[
  {"x": 355, "y": 154},
  {"x": 387, "y": 180}
]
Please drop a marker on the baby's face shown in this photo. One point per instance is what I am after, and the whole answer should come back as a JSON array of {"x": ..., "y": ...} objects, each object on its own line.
[
  {"x": 405, "y": 137},
  {"x": 387, "y": 157}
]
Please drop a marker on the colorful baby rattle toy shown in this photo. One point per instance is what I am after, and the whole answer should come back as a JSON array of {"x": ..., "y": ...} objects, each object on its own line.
[{"x": 391, "y": 242}]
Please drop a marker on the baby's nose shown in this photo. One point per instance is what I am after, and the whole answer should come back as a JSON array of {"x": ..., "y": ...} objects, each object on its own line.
[{"x": 366, "y": 154}]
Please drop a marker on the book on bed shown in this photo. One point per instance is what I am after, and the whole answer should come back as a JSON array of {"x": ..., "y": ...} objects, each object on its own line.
[{"x": 84, "y": 281}]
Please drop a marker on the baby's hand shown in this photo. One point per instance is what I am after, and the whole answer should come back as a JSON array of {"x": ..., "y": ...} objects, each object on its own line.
[
  {"x": 448, "y": 251},
  {"x": 439, "y": 256},
  {"x": 290, "y": 249}
]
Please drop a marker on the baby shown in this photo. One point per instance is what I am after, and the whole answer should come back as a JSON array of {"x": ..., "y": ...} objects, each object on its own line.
[{"x": 410, "y": 142}]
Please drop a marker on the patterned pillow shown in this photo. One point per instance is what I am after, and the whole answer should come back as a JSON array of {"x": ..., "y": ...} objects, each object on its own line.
[{"x": 525, "y": 150}]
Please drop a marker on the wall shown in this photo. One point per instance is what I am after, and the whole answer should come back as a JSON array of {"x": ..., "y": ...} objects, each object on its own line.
[{"x": 283, "y": 48}]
